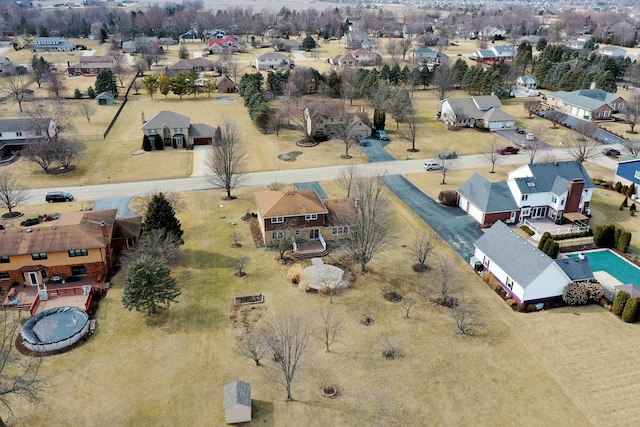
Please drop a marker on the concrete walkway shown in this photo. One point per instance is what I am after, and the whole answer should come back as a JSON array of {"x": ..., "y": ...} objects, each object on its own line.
[{"x": 200, "y": 160}]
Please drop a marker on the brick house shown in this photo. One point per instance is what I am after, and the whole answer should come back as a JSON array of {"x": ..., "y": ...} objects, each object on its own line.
[
  {"x": 177, "y": 131},
  {"x": 224, "y": 84},
  {"x": 91, "y": 65}
]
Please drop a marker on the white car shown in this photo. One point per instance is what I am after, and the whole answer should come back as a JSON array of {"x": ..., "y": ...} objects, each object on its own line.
[
  {"x": 432, "y": 165},
  {"x": 530, "y": 137}
]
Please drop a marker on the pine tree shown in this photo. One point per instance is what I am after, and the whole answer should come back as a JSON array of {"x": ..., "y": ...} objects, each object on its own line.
[
  {"x": 160, "y": 215},
  {"x": 148, "y": 286},
  {"x": 106, "y": 82},
  {"x": 308, "y": 43},
  {"x": 91, "y": 92}
]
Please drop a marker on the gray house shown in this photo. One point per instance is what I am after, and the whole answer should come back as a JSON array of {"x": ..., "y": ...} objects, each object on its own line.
[
  {"x": 483, "y": 112},
  {"x": 237, "y": 402},
  {"x": 586, "y": 104},
  {"x": 173, "y": 129}
]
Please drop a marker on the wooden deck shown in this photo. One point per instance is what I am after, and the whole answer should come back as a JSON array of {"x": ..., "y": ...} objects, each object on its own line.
[{"x": 310, "y": 249}]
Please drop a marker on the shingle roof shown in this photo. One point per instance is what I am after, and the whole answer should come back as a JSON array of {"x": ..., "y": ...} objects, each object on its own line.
[
  {"x": 338, "y": 209},
  {"x": 200, "y": 130},
  {"x": 289, "y": 203},
  {"x": 130, "y": 227},
  {"x": 496, "y": 115},
  {"x": 577, "y": 269},
  {"x": 236, "y": 392},
  {"x": 504, "y": 247},
  {"x": 12, "y": 125},
  {"x": 93, "y": 59},
  {"x": 488, "y": 196},
  {"x": 168, "y": 118},
  {"x": 272, "y": 55},
  {"x": 590, "y": 99},
  {"x": 487, "y": 101},
  {"x": 73, "y": 230},
  {"x": 546, "y": 177},
  {"x": 190, "y": 64}
]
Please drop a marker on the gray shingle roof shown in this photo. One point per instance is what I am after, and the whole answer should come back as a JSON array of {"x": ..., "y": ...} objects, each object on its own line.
[
  {"x": 488, "y": 196},
  {"x": 21, "y": 125},
  {"x": 552, "y": 177},
  {"x": 577, "y": 269},
  {"x": 519, "y": 259},
  {"x": 485, "y": 102},
  {"x": 168, "y": 118},
  {"x": 237, "y": 392},
  {"x": 200, "y": 130},
  {"x": 590, "y": 99}
]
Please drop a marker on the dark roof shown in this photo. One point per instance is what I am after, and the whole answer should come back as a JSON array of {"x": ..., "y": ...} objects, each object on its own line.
[
  {"x": 627, "y": 169},
  {"x": 200, "y": 130},
  {"x": 12, "y": 125},
  {"x": 553, "y": 177},
  {"x": 237, "y": 392},
  {"x": 125, "y": 228},
  {"x": 577, "y": 269},
  {"x": 167, "y": 118},
  {"x": 488, "y": 196}
]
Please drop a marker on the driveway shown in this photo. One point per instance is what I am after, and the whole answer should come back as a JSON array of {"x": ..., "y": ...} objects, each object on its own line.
[
  {"x": 375, "y": 150},
  {"x": 122, "y": 204},
  {"x": 599, "y": 134}
]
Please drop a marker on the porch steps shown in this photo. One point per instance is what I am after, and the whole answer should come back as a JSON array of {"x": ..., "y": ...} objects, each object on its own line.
[{"x": 311, "y": 254}]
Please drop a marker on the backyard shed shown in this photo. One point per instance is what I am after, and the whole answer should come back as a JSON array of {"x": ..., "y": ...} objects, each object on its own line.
[
  {"x": 106, "y": 98},
  {"x": 237, "y": 402}
]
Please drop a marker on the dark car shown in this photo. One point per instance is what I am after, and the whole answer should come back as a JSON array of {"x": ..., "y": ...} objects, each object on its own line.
[
  {"x": 508, "y": 149},
  {"x": 520, "y": 130},
  {"x": 448, "y": 155},
  {"x": 362, "y": 141},
  {"x": 382, "y": 134},
  {"x": 611, "y": 152},
  {"x": 58, "y": 196}
]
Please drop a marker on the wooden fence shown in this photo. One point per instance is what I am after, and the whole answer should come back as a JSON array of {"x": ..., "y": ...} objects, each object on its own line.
[{"x": 124, "y": 102}]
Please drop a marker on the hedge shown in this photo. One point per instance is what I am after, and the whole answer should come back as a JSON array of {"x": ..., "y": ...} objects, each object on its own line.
[
  {"x": 630, "y": 310},
  {"x": 527, "y": 230},
  {"x": 619, "y": 302},
  {"x": 543, "y": 240}
]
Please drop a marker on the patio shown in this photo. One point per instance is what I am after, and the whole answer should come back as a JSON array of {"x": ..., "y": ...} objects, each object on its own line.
[{"x": 542, "y": 225}]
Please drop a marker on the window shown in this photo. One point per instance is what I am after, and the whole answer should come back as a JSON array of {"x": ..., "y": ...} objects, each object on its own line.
[
  {"x": 5, "y": 276},
  {"x": 41, "y": 255},
  {"x": 486, "y": 261},
  {"x": 78, "y": 270},
  {"x": 525, "y": 197},
  {"x": 554, "y": 199},
  {"x": 525, "y": 212},
  {"x": 277, "y": 235},
  {"x": 340, "y": 230},
  {"x": 298, "y": 232},
  {"x": 636, "y": 175},
  {"x": 18, "y": 133},
  {"x": 277, "y": 220},
  {"x": 310, "y": 217},
  {"x": 509, "y": 283},
  {"x": 4, "y": 260},
  {"x": 78, "y": 252}
]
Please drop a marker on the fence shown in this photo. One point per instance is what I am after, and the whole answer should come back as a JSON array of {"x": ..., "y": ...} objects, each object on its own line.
[{"x": 124, "y": 102}]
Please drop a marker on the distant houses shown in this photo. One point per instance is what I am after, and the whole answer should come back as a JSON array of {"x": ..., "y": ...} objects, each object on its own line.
[
  {"x": 186, "y": 65},
  {"x": 52, "y": 44}
]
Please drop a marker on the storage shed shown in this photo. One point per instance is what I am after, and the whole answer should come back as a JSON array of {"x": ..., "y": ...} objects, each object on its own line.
[
  {"x": 106, "y": 98},
  {"x": 237, "y": 402}
]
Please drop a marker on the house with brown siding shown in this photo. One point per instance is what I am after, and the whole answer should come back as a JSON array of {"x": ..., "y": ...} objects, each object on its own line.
[{"x": 91, "y": 65}]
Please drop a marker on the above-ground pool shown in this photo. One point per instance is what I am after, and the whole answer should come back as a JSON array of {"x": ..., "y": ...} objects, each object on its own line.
[
  {"x": 55, "y": 329},
  {"x": 614, "y": 264}
]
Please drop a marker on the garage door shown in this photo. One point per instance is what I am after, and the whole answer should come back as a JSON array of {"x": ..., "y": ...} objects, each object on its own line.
[
  {"x": 203, "y": 141},
  {"x": 475, "y": 213}
]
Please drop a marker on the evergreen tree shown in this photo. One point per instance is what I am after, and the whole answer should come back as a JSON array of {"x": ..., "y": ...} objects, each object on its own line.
[
  {"x": 308, "y": 43},
  {"x": 77, "y": 94},
  {"x": 379, "y": 119},
  {"x": 146, "y": 143},
  {"x": 262, "y": 117},
  {"x": 542, "y": 44},
  {"x": 106, "y": 82},
  {"x": 160, "y": 215},
  {"x": 148, "y": 286},
  {"x": 91, "y": 92}
]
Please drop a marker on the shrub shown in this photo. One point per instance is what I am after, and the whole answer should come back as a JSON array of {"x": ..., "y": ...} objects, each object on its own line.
[
  {"x": 596, "y": 181},
  {"x": 618, "y": 186},
  {"x": 77, "y": 94},
  {"x": 91, "y": 92},
  {"x": 632, "y": 209},
  {"x": 579, "y": 234},
  {"x": 531, "y": 308},
  {"x": 510, "y": 301},
  {"x": 630, "y": 191},
  {"x": 630, "y": 310},
  {"x": 146, "y": 143},
  {"x": 625, "y": 203},
  {"x": 491, "y": 281},
  {"x": 624, "y": 241},
  {"x": 159, "y": 144},
  {"x": 391, "y": 349},
  {"x": 527, "y": 230},
  {"x": 624, "y": 189},
  {"x": 554, "y": 248},
  {"x": 604, "y": 236},
  {"x": 543, "y": 240},
  {"x": 448, "y": 198},
  {"x": 30, "y": 221},
  {"x": 581, "y": 293},
  {"x": 619, "y": 302},
  {"x": 293, "y": 275}
]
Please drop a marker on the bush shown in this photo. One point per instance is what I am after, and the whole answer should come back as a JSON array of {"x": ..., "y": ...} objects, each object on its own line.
[
  {"x": 624, "y": 241},
  {"x": 579, "y": 234},
  {"x": 630, "y": 191},
  {"x": 448, "y": 198},
  {"x": 604, "y": 236},
  {"x": 618, "y": 187},
  {"x": 531, "y": 308},
  {"x": 624, "y": 189},
  {"x": 554, "y": 248},
  {"x": 619, "y": 302},
  {"x": 632, "y": 209},
  {"x": 527, "y": 230},
  {"x": 625, "y": 203},
  {"x": 159, "y": 144},
  {"x": 491, "y": 281},
  {"x": 146, "y": 143},
  {"x": 293, "y": 275},
  {"x": 630, "y": 310},
  {"x": 77, "y": 94},
  {"x": 581, "y": 293},
  {"x": 91, "y": 92},
  {"x": 543, "y": 240},
  {"x": 29, "y": 222}
]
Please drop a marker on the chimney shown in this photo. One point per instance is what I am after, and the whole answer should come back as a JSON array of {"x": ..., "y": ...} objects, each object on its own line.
[
  {"x": 593, "y": 85},
  {"x": 103, "y": 226},
  {"x": 362, "y": 109},
  {"x": 142, "y": 114}
]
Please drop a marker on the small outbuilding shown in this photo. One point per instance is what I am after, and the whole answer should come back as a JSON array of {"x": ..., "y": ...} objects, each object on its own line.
[
  {"x": 106, "y": 98},
  {"x": 237, "y": 402}
]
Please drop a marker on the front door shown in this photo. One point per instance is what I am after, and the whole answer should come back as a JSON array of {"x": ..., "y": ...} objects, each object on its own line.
[
  {"x": 166, "y": 136},
  {"x": 314, "y": 234},
  {"x": 512, "y": 218},
  {"x": 33, "y": 278}
]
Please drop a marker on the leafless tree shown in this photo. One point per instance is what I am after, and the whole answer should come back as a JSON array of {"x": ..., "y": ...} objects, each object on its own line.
[
  {"x": 447, "y": 164},
  {"x": 370, "y": 224},
  {"x": 56, "y": 84},
  {"x": 86, "y": 110},
  {"x": 226, "y": 160},
  {"x": 39, "y": 152},
  {"x": 632, "y": 111},
  {"x": 236, "y": 238},
  {"x": 421, "y": 247},
  {"x": 151, "y": 54},
  {"x": 120, "y": 70},
  {"x": 490, "y": 153},
  {"x": 444, "y": 77},
  {"x": 407, "y": 304},
  {"x": 391, "y": 349},
  {"x": 341, "y": 130},
  {"x": 288, "y": 340},
  {"x": 392, "y": 48},
  {"x": 585, "y": 129},
  {"x": 346, "y": 178},
  {"x": 580, "y": 147},
  {"x": 20, "y": 378},
  {"x": 633, "y": 147},
  {"x": 158, "y": 244},
  {"x": 233, "y": 69},
  {"x": 12, "y": 192},
  {"x": 239, "y": 264},
  {"x": 468, "y": 320},
  {"x": 282, "y": 236},
  {"x": 445, "y": 287},
  {"x": 253, "y": 344},
  {"x": 404, "y": 45},
  {"x": 535, "y": 146},
  {"x": 555, "y": 117},
  {"x": 12, "y": 87},
  {"x": 141, "y": 203},
  {"x": 63, "y": 151},
  {"x": 42, "y": 112},
  {"x": 332, "y": 280},
  {"x": 276, "y": 186},
  {"x": 411, "y": 128},
  {"x": 350, "y": 80},
  {"x": 330, "y": 327},
  {"x": 532, "y": 106},
  {"x": 136, "y": 85}
]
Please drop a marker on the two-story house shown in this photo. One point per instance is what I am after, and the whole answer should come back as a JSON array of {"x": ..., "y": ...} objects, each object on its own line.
[
  {"x": 425, "y": 56},
  {"x": 586, "y": 104},
  {"x": 273, "y": 61},
  {"x": 52, "y": 44},
  {"x": 302, "y": 216},
  {"x": 559, "y": 191},
  {"x": 226, "y": 44},
  {"x": 325, "y": 121},
  {"x": 91, "y": 65},
  {"x": 177, "y": 131},
  {"x": 16, "y": 133}
]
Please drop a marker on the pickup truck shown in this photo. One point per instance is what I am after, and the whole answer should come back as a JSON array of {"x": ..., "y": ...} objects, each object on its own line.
[{"x": 508, "y": 149}]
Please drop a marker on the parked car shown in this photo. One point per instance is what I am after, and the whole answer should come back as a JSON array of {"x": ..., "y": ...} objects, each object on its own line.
[
  {"x": 432, "y": 164},
  {"x": 362, "y": 141},
  {"x": 520, "y": 130},
  {"x": 382, "y": 134},
  {"x": 58, "y": 196},
  {"x": 508, "y": 149},
  {"x": 611, "y": 152},
  {"x": 448, "y": 155},
  {"x": 530, "y": 137}
]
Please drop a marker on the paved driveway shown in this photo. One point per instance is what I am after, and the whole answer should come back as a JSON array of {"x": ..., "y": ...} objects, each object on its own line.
[
  {"x": 122, "y": 204},
  {"x": 375, "y": 150},
  {"x": 599, "y": 134}
]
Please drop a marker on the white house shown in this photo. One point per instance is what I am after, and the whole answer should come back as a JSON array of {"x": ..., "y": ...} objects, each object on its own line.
[
  {"x": 237, "y": 402},
  {"x": 612, "y": 51},
  {"x": 478, "y": 111},
  {"x": 526, "y": 83},
  {"x": 526, "y": 274},
  {"x": 273, "y": 61}
]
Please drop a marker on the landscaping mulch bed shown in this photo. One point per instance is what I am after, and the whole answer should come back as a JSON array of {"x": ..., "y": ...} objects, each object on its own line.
[{"x": 291, "y": 156}]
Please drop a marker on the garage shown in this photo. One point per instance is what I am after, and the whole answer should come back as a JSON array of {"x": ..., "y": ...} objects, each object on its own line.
[{"x": 202, "y": 141}]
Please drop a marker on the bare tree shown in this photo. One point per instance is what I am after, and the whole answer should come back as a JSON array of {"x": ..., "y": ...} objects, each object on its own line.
[
  {"x": 580, "y": 147},
  {"x": 447, "y": 164},
  {"x": 467, "y": 319},
  {"x": 350, "y": 79},
  {"x": 236, "y": 238},
  {"x": 158, "y": 244},
  {"x": 19, "y": 375},
  {"x": 370, "y": 224},
  {"x": 56, "y": 84},
  {"x": 43, "y": 112},
  {"x": 411, "y": 128},
  {"x": 444, "y": 77},
  {"x": 407, "y": 304},
  {"x": 136, "y": 85},
  {"x": 422, "y": 246},
  {"x": 346, "y": 177},
  {"x": 12, "y": 192},
  {"x": 120, "y": 69},
  {"x": 332, "y": 280},
  {"x": 632, "y": 111},
  {"x": 226, "y": 160},
  {"x": 282, "y": 238},
  {"x": 392, "y": 48},
  {"x": 555, "y": 117},
  {"x": 633, "y": 147},
  {"x": 404, "y": 45},
  {"x": 12, "y": 87},
  {"x": 63, "y": 151},
  {"x": 39, "y": 152},
  {"x": 253, "y": 344},
  {"x": 288, "y": 340},
  {"x": 341, "y": 129},
  {"x": 239, "y": 264},
  {"x": 141, "y": 203},
  {"x": 330, "y": 327},
  {"x": 532, "y": 107},
  {"x": 391, "y": 349},
  {"x": 86, "y": 110},
  {"x": 445, "y": 286},
  {"x": 490, "y": 153}
]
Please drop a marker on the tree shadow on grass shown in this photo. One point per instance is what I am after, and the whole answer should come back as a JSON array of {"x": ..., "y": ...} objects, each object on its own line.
[
  {"x": 262, "y": 412},
  {"x": 206, "y": 259},
  {"x": 181, "y": 318}
]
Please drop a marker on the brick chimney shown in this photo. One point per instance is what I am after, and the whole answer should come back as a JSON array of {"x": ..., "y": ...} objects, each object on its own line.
[{"x": 575, "y": 187}]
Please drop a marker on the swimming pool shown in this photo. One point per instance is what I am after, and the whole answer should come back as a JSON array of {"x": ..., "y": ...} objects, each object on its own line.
[{"x": 612, "y": 263}]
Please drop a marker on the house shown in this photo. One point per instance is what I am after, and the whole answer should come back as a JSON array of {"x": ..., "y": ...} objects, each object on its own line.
[
  {"x": 236, "y": 402},
  {"x": 559, "y": 191},
  {"x": 226, "y": 44},
  {"x": 612, "y": 51},
  {"x": 6, "y": 41},
  {"x": 578, "y": 43},
  {"x": 16, "y": 133},
  {"x": 224, "y": 84},
  {"x": 273, "y": 61},
  {"x": 356, "y": 58},
  {"x": 324, "y": 121},
  {"x": 76, "y": 244},
  {"x": 52, "y": 44},
  {"x": 628, "y": 173},
  {"x": 483, "y": 112},
  {"x": 425, "y": 56},
  {"x": 129, "y": 47},
  {"x": 287, "y": 45},
  {"x": 526, "y": 83},
  {"x": 586, "y": 104},
  {"x": 27, "y": 94},
  {"x": 302, "y": 216},
  {"x": 492, "y": 33},
  {"x": 106, "y": 98},
  {"x": 177, "y": 131},
  {"x": 493, "y": 55},
  {"x": 535, "y": 277},
  {"x": 91, "y": 65},
  {"x": 186, "y": 65},
  {"x": 356, "y": 39}
]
